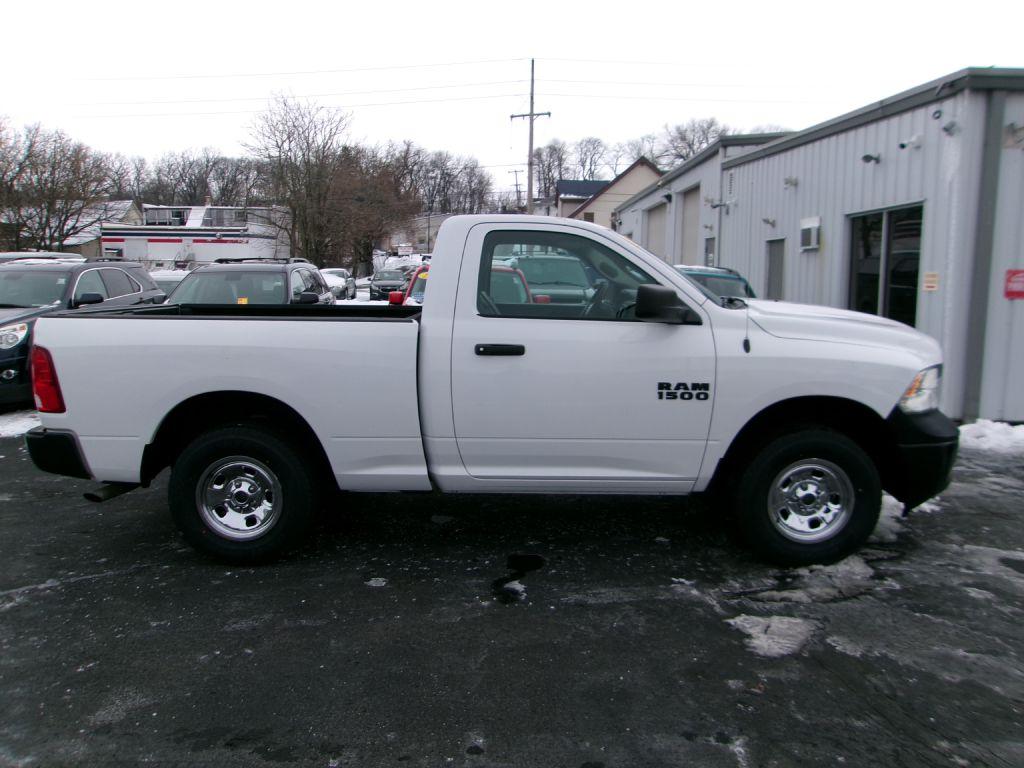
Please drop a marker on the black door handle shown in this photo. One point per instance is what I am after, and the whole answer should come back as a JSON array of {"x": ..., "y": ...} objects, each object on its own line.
[{"x": 509, "y": 350}]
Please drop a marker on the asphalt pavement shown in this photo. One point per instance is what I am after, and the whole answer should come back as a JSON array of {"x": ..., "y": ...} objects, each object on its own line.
[{"x": 420, "y": 630}]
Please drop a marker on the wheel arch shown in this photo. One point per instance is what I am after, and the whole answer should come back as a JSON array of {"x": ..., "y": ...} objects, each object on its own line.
[
  {"x": 212, "y": 410},
  {"x": 853, "y": 419}
]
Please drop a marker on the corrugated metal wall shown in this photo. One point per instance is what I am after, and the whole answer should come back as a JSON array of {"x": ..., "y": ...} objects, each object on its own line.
[
  {"x": 832, "y": 182},
  {"x": 1002, "y": 393}
]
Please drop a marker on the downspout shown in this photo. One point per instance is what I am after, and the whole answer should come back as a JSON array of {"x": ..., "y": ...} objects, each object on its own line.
[{"x": 984, "y": 238}]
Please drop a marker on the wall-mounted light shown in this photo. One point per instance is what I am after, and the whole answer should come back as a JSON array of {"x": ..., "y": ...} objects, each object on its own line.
[
  {"x": 667, "y": 197},
  {"x": 790, "y": 181},
  {"x": 871, "y": 158},
  {"x": 914, "y": 142},
  {"x": 708, "y": 227},
  {"x": 769, "y": 222},
  {"x": 951, "y": 128}
]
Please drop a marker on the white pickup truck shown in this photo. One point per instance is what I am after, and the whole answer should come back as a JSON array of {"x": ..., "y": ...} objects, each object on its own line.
[{"x": 597, "y": 368}]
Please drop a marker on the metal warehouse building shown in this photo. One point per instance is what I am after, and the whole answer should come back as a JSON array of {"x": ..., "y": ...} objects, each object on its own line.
[{"x": 912, "y": 208}]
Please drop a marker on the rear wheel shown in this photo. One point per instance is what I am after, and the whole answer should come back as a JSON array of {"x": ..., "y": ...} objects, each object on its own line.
[
  {"x": 811, "y": 496},
  {"x": 242, "y": 494}
]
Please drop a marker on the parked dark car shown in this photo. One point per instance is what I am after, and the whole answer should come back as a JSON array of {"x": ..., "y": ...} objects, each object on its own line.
[
  {"x": 385, "y": 281},
  {"x": 720, "y": 281},
  {"x": 253, "y": 282},
  {"x": 562, "y": 278},
  {"x": 31, "y": 287}
]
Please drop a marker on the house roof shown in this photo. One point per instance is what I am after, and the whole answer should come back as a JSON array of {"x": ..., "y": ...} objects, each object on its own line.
[
  {"x": 640, "y": 161},
  {"x": 972, "y": 78},
  {"x": 578, "y": 187},
  {"x": 729, "y": 140}
]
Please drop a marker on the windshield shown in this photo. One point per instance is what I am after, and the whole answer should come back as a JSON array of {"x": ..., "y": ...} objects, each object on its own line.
[
  {"x": 166, "y": 284},
  {"x": 419, "y": 287},
  {"x": 719, "y": 286},
  {"x": 564, "y": 271},
  {"x": 390, "y": 274},
  {"x": 235, "y": 287},
  {"x": 30, "y": 288}
]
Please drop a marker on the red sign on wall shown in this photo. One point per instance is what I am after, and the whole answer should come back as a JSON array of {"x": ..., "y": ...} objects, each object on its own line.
[{"x": 1014, "y": 287}]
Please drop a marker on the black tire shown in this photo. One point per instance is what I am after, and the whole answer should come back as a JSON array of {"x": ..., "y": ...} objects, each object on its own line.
[
  {"x": 815, "y": 463},
  {"x": 268, "y": 458}
]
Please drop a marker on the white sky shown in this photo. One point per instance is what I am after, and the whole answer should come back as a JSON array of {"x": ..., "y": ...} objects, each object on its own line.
[{"x": 116, "y": 74}]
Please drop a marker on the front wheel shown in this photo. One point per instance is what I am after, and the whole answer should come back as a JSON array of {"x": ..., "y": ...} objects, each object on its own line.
[
  {"x": 811, "y": 496},
  {"x": 242, "y": 494}
]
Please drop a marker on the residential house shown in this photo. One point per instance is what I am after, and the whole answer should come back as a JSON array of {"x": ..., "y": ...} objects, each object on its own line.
[
  {"x": 598, "y": 207},
  {"x": 569, "y": 195}
]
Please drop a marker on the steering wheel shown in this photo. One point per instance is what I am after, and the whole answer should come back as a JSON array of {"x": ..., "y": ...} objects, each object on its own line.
[
  {"x": 485, "y": 301},
  {"x": 598, "y": 300}
]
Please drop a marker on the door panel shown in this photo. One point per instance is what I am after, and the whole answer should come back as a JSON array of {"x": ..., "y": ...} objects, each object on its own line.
[{"x": 582, "y": 401}]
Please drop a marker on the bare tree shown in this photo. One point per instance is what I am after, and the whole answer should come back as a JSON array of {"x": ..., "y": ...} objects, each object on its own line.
[
  {"x": 643, "y": 146},
  {"x": 550, "y": 163},
  {"x": 300, "y": 147},
  {"x": 681, "y": 142},
  {"x": 588, "y": 157},
  {"x": 57, "y": 189}
]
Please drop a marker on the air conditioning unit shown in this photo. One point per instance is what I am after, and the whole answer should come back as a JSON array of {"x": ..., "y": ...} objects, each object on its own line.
[{"x": 810, "y": 234}]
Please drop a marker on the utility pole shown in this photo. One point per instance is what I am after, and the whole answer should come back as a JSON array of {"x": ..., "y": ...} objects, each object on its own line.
[
  {"x": 519, "y": 203},
  {"x": 531, "y": 116}
]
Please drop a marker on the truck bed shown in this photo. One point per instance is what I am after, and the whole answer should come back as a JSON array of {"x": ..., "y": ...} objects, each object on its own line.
[{"x": 349, "y": 372}]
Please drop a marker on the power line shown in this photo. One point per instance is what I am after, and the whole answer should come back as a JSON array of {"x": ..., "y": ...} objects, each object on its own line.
[
  {"x": 208, "y": 76},
  {"x": 611, "y": 97},
  {"x": 642, "y": 82},
  {"x": 300, "y": 96},
  {"x": 332, "y": 106}
]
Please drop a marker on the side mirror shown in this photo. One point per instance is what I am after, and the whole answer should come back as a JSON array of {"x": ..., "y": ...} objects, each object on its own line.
[
  {"x": 660, "y": 304},
  {"x": 308, "y": 297},
  {"x": 88, "y": 298},
  {"x": 396, "y": 298}
]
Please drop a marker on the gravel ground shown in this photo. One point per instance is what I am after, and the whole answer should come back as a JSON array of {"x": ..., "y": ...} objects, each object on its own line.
[{"x": 423, "y": 630}]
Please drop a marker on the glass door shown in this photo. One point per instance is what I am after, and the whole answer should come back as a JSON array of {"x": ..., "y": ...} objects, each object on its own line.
[{"x": 885, "y": 252}]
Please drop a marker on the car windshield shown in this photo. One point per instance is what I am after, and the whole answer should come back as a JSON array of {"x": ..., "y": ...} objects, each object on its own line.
[
  {"x": 390, "y": 274},
  {"x": 719, "y": 286},
  {"x": 561, "y": 271},
  {"x": 419, "y": 286},
  {"x": 234, "y": 287},
  {"x": 166, "y": 284},
  {"x": 31, "y": 288}
]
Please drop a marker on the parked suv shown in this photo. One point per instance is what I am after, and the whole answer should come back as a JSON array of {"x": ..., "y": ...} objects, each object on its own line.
[
  {"x": 30, "y": 287},
  {"x": 253, "y": 281}
]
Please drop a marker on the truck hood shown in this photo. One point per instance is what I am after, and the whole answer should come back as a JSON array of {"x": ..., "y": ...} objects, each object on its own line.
[{"x": 817, "y": 323}]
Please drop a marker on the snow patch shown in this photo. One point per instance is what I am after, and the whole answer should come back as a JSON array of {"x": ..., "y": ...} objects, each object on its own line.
[
  {"x": 995, "y": 436},
  {"x": 845, "y": 645},
  {"x": 775, "y": 636},
  {"x": 515, "y": 586},
  {"x": 890, "y": 521},
  {"x": 820, "y": 583},
  {"x": 376, "y": 581},
  {"x": 18, "y": 423}
]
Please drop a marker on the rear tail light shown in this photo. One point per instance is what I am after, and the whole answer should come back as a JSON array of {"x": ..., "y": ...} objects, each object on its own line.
[
  {"x": 396, "y": 298},
  {"x": 45, "y": 387}
]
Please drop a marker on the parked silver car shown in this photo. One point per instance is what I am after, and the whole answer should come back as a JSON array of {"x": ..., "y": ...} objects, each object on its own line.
[{"x": 343, "y": 285}]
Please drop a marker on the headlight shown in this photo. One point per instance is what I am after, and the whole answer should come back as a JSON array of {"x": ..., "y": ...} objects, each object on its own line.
[
  {"x": 12, "y": 335},
  {"x": 923, "y": 393}
]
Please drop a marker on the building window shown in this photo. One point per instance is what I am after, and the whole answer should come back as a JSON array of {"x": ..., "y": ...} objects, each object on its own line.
[
  {"x": 167, "y": 217},
  {"x": 709, "y": 251},
  {"x": 588, "y": 216},
  {"x": 885, "y": 254},
  {"x": 224, "y": 217},
  {"x": 775, "y": 271}
]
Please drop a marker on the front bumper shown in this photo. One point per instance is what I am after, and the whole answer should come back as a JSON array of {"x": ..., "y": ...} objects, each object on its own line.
[
  {"x": 56, "y": 451},
  {"x": 925, "y": 447}
]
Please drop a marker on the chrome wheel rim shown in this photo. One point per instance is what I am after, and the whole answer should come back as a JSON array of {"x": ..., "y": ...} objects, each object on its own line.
[
  {"x": 810, "y": 500},
  {"x": 239, "y": 498}
]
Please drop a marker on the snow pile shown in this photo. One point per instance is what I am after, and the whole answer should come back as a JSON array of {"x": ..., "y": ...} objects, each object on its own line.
[
  {"x": 17, "y": 423},
  {"x": 996, "y": 436},
  {"x": 774, "y": 636},
  {"x": 890, "y": 521},
  {"x": 376, "y": 581}
]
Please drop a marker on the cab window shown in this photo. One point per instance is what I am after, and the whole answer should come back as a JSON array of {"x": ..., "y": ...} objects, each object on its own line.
[{"x": 555, "y": 275}]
